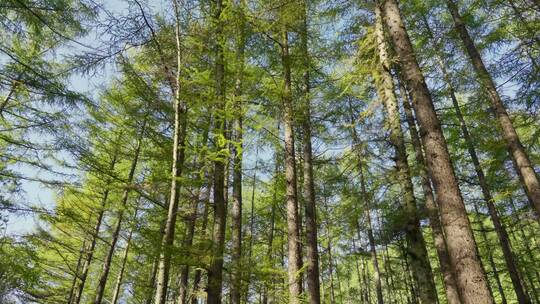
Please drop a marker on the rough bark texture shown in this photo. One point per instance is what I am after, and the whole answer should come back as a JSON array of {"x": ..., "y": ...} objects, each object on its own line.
[
  {"x": 416, "y": 247},
  {"x": 502, "y": 234},
  {"x": 215, "y": 273},
  {"x": 449, "y": 281},
  {"x": 294, "y": 254},
  {"x": 523, "y": 164},
  {"x": 470, "y": 277},
  {"x": 312, "y": 253}
]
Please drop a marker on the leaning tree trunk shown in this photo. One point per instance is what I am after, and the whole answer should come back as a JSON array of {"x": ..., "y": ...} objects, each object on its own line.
[
  {"x": 178, "y": 157},
  {"x": 416, "y": 246},
  {"x": 524, "y": 167},
  {"x": 95, "y": 235},
  {"x": 215, "y": 272},
  {"x": 120, "y": 277},
  {"x": 502, "y": 234},
  {"x": 470, "y": 277},
  {"x": 491, "y": 259},
  {"x": 294, "y": 255},
  {"x": 439, "y": 241},
  {"x": 312, "y": 254},
  {"x": 102, "y": 281}
]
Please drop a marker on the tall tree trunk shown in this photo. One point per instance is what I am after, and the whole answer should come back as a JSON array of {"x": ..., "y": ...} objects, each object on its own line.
[
  {"x": 491, "y": 259},
  {"x": 502, "y": 234},
  {"x": 408, "y": 276},
  {"x": 526, "y": 242},
  {"x": 312, "y": 254},
  {"x": 486, "y": 191},
  {"x": 470, "y": 277},
  {"x": 204, "y": 232},
  {"x": 191, "y": 220},
  {"x": 524, "y": 167},
  {"x": 236, "y": 212},
  {"x": 76, "y": 274},
  {"x": 95, "y": 234},
  {"x": 117, "y": 293},
  {"x": 178, "y": 157},
  {"x": 270, "y": 250},
  {"x": 294, "y": 255},
  {"x": 153, "y": 274},
  {"x": 102, "y": 281},
  {"x": 439, "y": 241},
  {"x": 416, "y": 246},
  {"x": 187, "y": 243},
  {"x": 215, "y": 273},
  {"x": 367, "y": 208}
]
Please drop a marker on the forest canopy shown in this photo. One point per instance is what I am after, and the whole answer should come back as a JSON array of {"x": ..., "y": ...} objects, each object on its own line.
[{"x": 257, "y": 151}]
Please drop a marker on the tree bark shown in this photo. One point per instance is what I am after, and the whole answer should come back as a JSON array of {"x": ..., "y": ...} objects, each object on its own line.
[
  {"x": 357, "y": 146},
  {"x": 237, "y": 155},
  {"x": 524, "y": 167},
  {"x": 294, "y": 255},
  {"x": 312, "y": 253},
  {"x": 118, "y": 285},
  {"x": 416, "y": 246},
  {"x": 439, "y": 241},
  {"x": 204, "y": 231},
  {"x": 178, "y": 157},
  {"x": 92, "y": 245},
  {"x": 502, "y": 234},
  {"x": 102, "y": 281},
  {"x": 491, "y": 259},
  {"x": 215, "y": 273},
  {"x": 470, "y": 277}
]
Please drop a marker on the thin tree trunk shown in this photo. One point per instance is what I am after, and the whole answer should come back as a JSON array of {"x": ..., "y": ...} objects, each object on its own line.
[
  {"x": 178, "y": 157},
  {"x": 365, "y": 273},
  {"x": 367, "y": 210},
  {"x": 102, "y": 281},
  {"x": 439, "y": 241},
  {"x": 92, "y": 246},
  {"x": 204, "y": 232},
  {"x": 76, "y": 275},
  {"x": 152, "y": 281},
  {"x": 12, "y": 90},
  {"x": 524, "y": 167},
  {"x": 408, "y": 276},
  {"x": 187, "y": 243},
  {"x": 491, "y": 259},
  {"x": 526, "y": 241},
  {"x": 470, "y": 277},
  {"x": 215, "y": 273},
  {"x": 270, "y": 251},
  {"x": 330, "y": 266},
  {"x": 312, "y": 254},
  {"x": 236, "y": 212},
  {"x": 294, "y": 254},
  {"x": 117, "y": 287}
]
